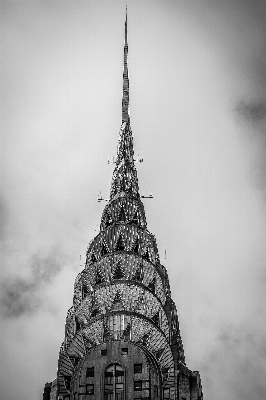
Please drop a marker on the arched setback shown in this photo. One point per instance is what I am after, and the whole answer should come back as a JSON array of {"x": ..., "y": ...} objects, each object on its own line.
[
  {"x": 135, "y": 298},
  {"x": 131, "y": 374},
  {"x": 130, "y": 234},
  {"x": 130, "y": 264},
  {"x": 134, "y": 211},
  {"x": 142, "y": 330}
]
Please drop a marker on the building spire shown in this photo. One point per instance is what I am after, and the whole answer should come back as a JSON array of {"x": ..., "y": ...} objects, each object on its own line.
[
  {"x": 125, "y": 98},
  {"x": 125, "y": 179}
]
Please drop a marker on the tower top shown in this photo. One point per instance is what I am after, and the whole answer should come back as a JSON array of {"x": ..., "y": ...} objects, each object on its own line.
[
  {"x": 125, "y": 98},
  {"x": 125, "y": 179}
]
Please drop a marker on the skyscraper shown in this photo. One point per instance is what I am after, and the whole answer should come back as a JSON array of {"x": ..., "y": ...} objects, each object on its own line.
[{"x": 122, "y": 337}]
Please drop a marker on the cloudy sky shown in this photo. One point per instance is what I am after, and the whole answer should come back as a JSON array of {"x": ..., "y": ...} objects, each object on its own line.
[{"x": 198, "y": 114}]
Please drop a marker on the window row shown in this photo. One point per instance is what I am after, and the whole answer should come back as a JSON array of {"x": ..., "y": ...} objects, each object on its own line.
[
  {"x": 114, "y": 383},
  {"x": 124, "y": 351},
  {"x": 141, "y": 385},
  {"x": 118, "y": 387},
  {"x": 119, "y": 274},
  {"x": 137, "y": 367},
  {"x": 122, "y": 246}
]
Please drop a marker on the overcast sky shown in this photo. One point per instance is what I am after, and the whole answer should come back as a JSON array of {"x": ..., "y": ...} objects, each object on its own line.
[{"x": 197, "y": 74}]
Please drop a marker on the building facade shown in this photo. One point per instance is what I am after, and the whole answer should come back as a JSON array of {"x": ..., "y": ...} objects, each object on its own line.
[{"x": 122, "y": 338}]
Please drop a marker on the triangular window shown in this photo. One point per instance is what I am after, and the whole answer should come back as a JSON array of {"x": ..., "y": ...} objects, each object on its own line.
[
  {"x": 151, "y": 285},
  {"x": 103, "y": 251},
  {"x": 155, "y": 318},
  {"x": 135, "y": 218},
  {"x": 122, "y": 216},
  {"x": 93, "y": 258},
  {"x": 120, "y": 244},
  {"x": 98, "y": 278},
  {"x": 136, "y": 247},
  {"x": 147, "y": 256},
  {"x": 138, "y": 274},
  {"x": 84, "y": 291},
  {"x": 108, "y": 220},
  {"x": 118, "y": 272},
  {"x": 122, "y": 183},
  {"x": 77, "y": 324}
]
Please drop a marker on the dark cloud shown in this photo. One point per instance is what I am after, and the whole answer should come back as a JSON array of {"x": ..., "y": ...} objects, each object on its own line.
[
  {"x": 22, "y": 295},
  {"x": 19, "y": 297},
  {"x": 252, "y": 111}
]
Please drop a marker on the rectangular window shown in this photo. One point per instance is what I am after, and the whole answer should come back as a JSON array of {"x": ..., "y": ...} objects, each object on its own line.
[
  {"x": 137, "y": 368},
  {"x": 124, "y": 351},
  {"x": 67, "y": 382},
  {"x": 66, "y": 398},
  {"x": 90, "y": 372},
  {"x": 166, "y": 393},
  {"x": 119, "y": 373},
  {"x": 104, "y": 352},
  {"x": 145, "y": 384},
  {"x": 84, "y": 291},
  {"x": 89, "y": 389},
  {"x": 119, "y": 387},
  {"x": 108, "y": 389},
  {"x": 138, "y": 386}
]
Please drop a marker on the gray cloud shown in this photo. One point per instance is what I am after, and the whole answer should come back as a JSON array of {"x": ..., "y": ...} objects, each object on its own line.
[
  {"x": 238, "y": 351},
  {"x": 23, "y": 295},
  {"x": 249, "y": 352},
  {"x": 252, "y": 116},
  {"x": 251, "y": 111}
]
